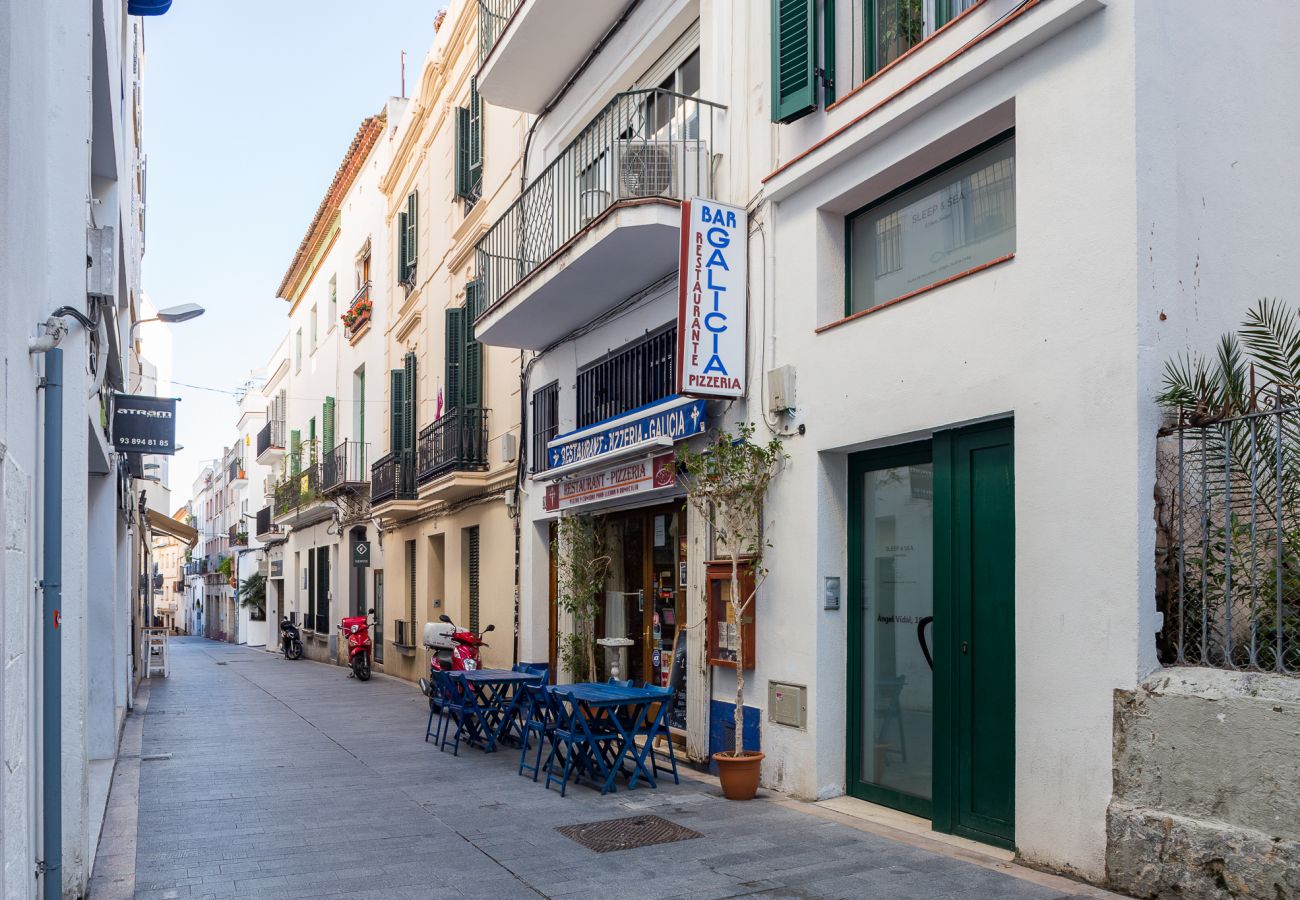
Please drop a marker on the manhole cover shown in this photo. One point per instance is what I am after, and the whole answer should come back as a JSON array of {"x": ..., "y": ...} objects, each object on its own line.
[{"x": 625, "y": 834}]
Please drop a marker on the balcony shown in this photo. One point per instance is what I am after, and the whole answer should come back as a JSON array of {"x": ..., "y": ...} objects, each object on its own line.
[
  {"x": 238, "y": 536},
  {"x": 270, "y": 442},
  {"x": 344, "y": 469},
  {"x": 601, "y": 222},
  {"x": 529, "y": 48},
  {"x": 451, "y": 458},
  {"x": 235, "y": 472},
  {"x": 356, "y": 321},
  {"x": 266, "y": 529},
  {"x": 392, "y": 485},
  {"x": 298, "y": 499}
]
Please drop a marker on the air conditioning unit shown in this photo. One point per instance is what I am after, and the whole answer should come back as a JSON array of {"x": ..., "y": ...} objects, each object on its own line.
[
  {"x": 650, "y": 168},
  {"x": 268, "y": 488}
]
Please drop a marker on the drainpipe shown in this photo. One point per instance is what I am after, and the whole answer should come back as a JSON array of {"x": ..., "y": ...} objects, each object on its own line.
[{"x": 51, "y": 660}]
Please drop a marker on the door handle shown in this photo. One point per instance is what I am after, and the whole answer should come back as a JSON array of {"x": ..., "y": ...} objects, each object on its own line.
[{"x": 965, "y": 647}]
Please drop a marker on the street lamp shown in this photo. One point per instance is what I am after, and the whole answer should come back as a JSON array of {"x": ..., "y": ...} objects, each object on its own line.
[{"x": 182, "y": 313}]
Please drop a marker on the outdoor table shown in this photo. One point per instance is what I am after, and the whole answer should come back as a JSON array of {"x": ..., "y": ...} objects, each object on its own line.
[
  {"x": 497, "y": 694},
  {"x": 598, "y": 706}
]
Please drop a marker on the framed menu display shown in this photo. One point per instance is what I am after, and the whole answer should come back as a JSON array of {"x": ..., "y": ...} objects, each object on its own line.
[{"x": 726, "y": 636}]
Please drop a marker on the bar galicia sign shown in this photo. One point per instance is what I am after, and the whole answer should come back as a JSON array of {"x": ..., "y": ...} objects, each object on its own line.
[
  {"x": 144, "y": 424},
  {"x": 676, "y": 418},
  {"x": 711, "y": 324}
]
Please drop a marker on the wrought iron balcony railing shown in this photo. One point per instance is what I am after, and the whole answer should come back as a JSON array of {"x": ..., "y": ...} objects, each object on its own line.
[
  {"x": 271, "y": 436},
  {"x": 358, "y": 314},
  {"x": 265, "y": 526},
  {"x": 298, "y": 490},
  {"x": 493, "y": 17},
  {"x": 344, "y": 465},
  {"x": 455, "y": 443},
  {"x": 392, "y": 477},
  {"x": 649, "y": 144},
  {"x": 235, "y": 469}
]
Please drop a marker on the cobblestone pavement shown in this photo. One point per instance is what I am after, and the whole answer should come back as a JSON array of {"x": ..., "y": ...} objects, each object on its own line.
[{"x": 260, "y": 777}]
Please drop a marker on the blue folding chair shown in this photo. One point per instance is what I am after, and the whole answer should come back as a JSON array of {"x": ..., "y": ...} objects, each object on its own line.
[
  {"x": 585, "y": 748},
  {"x": 437, "y": 706},
  {"x": 658, "y": 726},
  {"x": 616, "y": 683},
  {"x": 459, "y": 704},
  {"x": 538, "y": 720}
]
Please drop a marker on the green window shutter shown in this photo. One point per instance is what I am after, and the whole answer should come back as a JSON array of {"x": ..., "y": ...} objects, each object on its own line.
[
  {"x": 462, "y": 152},
  {"x": 295, "y": 452},
  {"x": 455, "y": 357},
  {"x": 475, "y": 137},
  {"x": 794, "y": 90},
  {"x": 473, "y": 380},
  {"x": 327, "y": 425},
  {"x": 412, "y": 233},
  {"x": 396, "y": 408},
  {"x": 402, "y": 252},
  {"x": 408, "y": 397}
]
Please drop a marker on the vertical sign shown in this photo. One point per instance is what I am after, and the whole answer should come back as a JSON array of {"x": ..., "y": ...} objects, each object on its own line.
[{"x": 711, "y": 322}]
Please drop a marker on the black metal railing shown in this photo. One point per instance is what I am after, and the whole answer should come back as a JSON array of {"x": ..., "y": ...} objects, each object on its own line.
[
  {"x": 235, "y": 470},
  {"x": 298, "y": 490},
  {"x": 264, "y": 524},
  {"x": 643, "y": 145},
  {"x": 392, "y": 477},
  {"x": 455, "y": 443},
  {"x": 493, "y": 17},
  {"x": 344, "y": 465},
  {"x": 1228, "y": 540},
  {"x": 238, "y": 535},
  {"x": 403, "y": 633},
  {"x": 271, "y": 436},
  {"x": 629, "y": 378}
]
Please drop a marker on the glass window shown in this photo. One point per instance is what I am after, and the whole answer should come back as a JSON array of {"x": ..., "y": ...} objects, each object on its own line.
[
  {"x": 334, "y": 302},
  {"x": 314, "y": 329},
  {"x": 948, "y": 223},
  {"x": 297, "y": 351}
]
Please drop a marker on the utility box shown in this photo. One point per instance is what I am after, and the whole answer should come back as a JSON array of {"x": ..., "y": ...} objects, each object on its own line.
[
  {"x": 101, "y": 262},
  {"x": 787, "y": 704},
  {"x": 780, "y": 390}
]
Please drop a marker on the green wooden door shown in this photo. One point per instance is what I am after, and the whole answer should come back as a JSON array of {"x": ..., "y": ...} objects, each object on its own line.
[{"x": 975, "y": 632}]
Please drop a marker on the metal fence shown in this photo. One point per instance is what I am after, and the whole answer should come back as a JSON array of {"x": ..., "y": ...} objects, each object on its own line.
[
  {"x": 457, "y": 442},
  {"x": 493, "y": 17},
  {"x": 1228, "y": 543},
  {"x": 271, "y": 435},
  {"x": 643, "y": 145},
  {"x": 345, "y": 464}
]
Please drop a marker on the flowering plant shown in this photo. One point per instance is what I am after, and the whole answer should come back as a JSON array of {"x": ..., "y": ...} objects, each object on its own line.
[{"x": 357, "y": 314}]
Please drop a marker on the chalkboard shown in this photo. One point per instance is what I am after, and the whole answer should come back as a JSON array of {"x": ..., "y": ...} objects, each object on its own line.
[{"x": 677, "y": 682}]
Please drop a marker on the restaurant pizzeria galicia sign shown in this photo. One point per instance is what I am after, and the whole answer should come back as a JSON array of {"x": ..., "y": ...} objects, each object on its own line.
[
  {"x": 621, "y": 480},
  {"x": 711, "y": 323},
  {"x": 675, "y": 418}
]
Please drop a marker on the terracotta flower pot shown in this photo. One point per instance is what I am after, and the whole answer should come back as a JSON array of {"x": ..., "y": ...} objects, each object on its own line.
[{"x": 739, "y": 774}]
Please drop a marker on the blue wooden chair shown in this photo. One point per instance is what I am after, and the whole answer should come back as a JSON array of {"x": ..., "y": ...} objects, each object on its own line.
[
  {"x": 617, "y": 683},
  {"x": 539, "y": 720},
  {"x": 459, "y": 705},
  {"x": 437, "y": 706},
  {"x": 658, "y": 726},
  {"x": 581, "y": 748}
]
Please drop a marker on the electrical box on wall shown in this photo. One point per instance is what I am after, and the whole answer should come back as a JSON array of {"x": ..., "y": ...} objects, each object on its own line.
[
  {"x": 101, "y": 268},
  {"x": 780, "y": 390},
  {"x": 509, "y": 447},
  {"x": 787, "y": 704}
]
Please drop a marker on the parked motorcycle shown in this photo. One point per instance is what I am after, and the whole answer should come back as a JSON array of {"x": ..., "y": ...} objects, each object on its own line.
[
  {"x": 290, "y": 639},
  {"x": 357, "y": 630},
  {"x": 451, "y": 648}
]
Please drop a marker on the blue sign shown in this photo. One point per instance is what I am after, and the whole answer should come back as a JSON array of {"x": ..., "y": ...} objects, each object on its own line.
[{"x": 678, "y": 418}]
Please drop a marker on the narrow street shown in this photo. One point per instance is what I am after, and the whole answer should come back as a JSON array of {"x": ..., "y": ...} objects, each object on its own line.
[{"x": 259, "y": 777}]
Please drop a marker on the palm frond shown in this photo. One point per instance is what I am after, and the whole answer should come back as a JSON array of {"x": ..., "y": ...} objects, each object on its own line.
[{"x": 1271, "y": 332}]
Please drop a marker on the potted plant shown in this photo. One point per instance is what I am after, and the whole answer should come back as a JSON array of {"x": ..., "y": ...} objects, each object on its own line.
[
  {"x": 580, "y": 574},
  {"x": 726, "y": 483}
]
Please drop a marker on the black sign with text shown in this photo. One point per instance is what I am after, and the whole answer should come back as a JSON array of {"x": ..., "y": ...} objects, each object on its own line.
[
  {"x": 361, "y": 553},
  {"x": 144, "y": 424}
]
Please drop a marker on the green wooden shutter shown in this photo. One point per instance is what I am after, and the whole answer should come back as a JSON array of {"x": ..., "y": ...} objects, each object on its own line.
[
  {"x": 396, "y": 408},
  {"x": 327, "y": 426},
  {"x": 462, "y": 152},
  {"x": 402, "y": 252},
  {"x": 455, "y": 357},
  {"x": 794, "y": 90},
  {"x": 473, "y": 372},
  {"x": 412, "y": 233},
  {"x": 295, "y": 452},
  {"x": 475, "y": 137},
  {"x": 408, "y": 412}
]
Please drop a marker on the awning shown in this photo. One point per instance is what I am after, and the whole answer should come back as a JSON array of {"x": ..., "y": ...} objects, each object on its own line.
[
  {"x": 165, "y": 524},
  {"x": 148, "y": 7}
]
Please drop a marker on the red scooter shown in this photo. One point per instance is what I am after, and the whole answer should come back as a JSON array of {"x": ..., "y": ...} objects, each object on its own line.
[
  {"x": 357, "y": 631},
  {"x": 451, "y": 649}
]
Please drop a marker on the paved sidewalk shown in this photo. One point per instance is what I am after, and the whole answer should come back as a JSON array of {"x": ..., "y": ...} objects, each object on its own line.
[{"x": 259, "y": 777}]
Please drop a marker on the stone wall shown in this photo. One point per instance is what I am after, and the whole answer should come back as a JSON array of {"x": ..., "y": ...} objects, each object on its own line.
[{"x": 1206, "y": 787}]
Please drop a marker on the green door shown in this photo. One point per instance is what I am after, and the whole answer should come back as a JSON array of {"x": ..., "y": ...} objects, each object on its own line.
[
  {"x": 975, "y": 631},
  {"x": 931, "y": 619}
]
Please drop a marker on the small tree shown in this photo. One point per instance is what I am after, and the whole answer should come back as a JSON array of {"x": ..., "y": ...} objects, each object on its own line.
[
  {"x": 727, "y": 483},
  {"x": 580, "y": 574},
  {"x": 252, "y": 593}
]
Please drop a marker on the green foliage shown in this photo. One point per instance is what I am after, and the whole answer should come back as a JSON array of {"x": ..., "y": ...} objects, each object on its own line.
[
  {"x": 225, "y": 565},
  {"x": 582, "y": 564},
  {"x": 726, "y": 483}
]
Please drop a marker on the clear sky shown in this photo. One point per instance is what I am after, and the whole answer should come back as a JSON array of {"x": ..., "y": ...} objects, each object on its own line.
[{"x": 248, "y": 110}]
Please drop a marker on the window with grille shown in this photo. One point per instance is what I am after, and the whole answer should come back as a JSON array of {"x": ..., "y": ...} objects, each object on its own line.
[
  {"x": 471, "y": 536},
  {"x": 546, "y": 423},
  {"x": 627, "y": 379}
]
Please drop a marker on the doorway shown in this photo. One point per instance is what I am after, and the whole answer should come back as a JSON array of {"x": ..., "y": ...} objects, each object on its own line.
[{"x": 931, "y": 722}]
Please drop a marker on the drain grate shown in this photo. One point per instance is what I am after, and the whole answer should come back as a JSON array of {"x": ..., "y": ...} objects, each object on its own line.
[{"x": 626, "y": 834}]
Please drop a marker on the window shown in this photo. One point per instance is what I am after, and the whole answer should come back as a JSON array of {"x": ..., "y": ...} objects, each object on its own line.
[
  {"x": 948, "y": 222},
  {"x": 297, "y": 351},
  {"x": 630, "y": 378},
  {"x": 796, "y": 54},
  {"x": 546, "y": 423},
  {"x": 471, "y": 572},
  {"x": 410, "y": 591},
  {"x": 469, "y": 148},
  {"x": 463, "y": 359},
  {"x": 314, "y": 330},
  {"x": 334, "y": 302},
  {"x": 892, "y": 27},
  {"x": 407, "y": 246}
]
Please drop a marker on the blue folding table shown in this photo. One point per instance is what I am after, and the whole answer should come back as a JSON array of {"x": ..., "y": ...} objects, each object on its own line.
[
  {"x": 601, "y": 715},
  {"x": 496, "y": 694}
]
